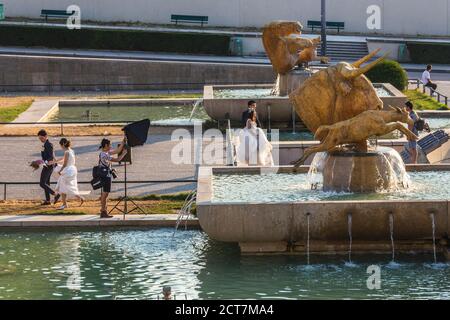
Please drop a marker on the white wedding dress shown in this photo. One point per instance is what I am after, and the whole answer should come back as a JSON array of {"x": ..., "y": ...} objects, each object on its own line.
[
  {"x": 67, "y": 181},
  {"x": 252, "y": 147}
]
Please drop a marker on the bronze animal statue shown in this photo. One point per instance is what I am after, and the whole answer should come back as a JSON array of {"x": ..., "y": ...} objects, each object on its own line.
[
  {"x": 336, "y": 93},
  {"x": 303, "y": 50},
  {"x": 286, "y": 48},
  {"x": 358, "y": 129}
]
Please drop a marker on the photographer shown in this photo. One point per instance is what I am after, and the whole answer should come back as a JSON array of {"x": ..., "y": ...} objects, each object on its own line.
[{"x": 106, "y": 159}]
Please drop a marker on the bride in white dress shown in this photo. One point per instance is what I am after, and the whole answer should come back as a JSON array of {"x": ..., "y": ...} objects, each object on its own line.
[
  {"x": 67, "y": 182},
  {"x": 252, "y": 147}
]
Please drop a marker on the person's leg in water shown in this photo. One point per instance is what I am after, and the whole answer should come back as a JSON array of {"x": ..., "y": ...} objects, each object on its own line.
[{"x": 412, "y": 148}]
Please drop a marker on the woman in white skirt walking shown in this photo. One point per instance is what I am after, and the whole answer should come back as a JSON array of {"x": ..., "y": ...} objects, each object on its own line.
[{"x": 67, "y": 182}]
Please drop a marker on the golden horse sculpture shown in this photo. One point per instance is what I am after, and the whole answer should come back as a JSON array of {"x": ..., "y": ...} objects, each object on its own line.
[
  {"x": 358, "y": 129},
  {"x": 286, "y": 48},
  {"x": 336, "y": 93}
]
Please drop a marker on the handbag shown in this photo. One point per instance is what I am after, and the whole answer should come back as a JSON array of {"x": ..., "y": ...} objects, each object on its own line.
[
  {"x": 96, "y": 183},
  {"x": 100, "y": 171}
]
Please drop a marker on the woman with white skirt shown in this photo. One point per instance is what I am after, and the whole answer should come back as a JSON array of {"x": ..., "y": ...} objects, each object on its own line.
[
  {"x": 252, "y": 147},
  {"x": 67, "y": 182}
]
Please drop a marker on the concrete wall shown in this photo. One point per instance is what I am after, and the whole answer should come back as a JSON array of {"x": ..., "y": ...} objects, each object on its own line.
[
  {"x": 18, "y": 73},
  {"x": 410, "y": 17}
]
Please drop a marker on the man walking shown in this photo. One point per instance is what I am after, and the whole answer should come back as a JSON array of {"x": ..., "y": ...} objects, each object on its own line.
[
  {"x": 426, "y": 78},
  {"x": 48, "y": 156}
]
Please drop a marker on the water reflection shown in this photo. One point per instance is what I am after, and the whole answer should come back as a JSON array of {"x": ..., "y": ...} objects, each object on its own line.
[{"x": 136, "y": 264}]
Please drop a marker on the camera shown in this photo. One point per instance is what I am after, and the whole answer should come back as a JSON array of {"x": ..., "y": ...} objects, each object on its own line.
[{"x": 114, "y": 173}]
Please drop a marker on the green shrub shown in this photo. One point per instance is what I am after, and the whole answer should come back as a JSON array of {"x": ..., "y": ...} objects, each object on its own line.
[
  {"x": 426, "y": 53},
  {"x": 389, "y": 71},
  {"x": 193, "y": 43}
]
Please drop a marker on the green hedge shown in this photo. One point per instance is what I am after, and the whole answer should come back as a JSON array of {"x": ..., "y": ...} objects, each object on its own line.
[
  {"x": 389, "y": 71},
  {"x": 426, "y": 53},
  {"x": 193, "y": 43}
]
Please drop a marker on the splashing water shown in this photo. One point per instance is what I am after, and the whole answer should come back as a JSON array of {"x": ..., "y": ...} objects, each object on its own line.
[
  {"x": 315, "y": 177},
  {"x": 194, "y": 108},
  {"x": 391, "y": 228},
  {"x": 307, "y": 239},
  {"x": 433, "y": 226},
  {"x": 350, "y": 237},
  {"x": 396, "y": 167},
  {"x": 393, "y": 167}
]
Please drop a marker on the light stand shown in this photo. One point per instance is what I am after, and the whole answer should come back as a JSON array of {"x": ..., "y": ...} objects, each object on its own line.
[{"x": 125, "y": 199}]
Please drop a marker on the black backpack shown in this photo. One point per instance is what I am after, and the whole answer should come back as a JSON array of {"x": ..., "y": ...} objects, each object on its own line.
[{"x": 419, "y": 124}]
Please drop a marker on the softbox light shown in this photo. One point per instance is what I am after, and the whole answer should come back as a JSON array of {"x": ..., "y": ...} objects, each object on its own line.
[{"x": 137, "y": 132}]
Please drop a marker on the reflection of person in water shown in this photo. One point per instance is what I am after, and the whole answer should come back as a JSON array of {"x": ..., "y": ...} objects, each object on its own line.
[
  {"x": 167, "y": 293},
  {"x": 253, "y": 148}
]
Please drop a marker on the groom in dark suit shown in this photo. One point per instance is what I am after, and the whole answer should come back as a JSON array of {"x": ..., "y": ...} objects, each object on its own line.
[
  {"x": 246, "y": 114},
  {"x": 48, "y": 156}
]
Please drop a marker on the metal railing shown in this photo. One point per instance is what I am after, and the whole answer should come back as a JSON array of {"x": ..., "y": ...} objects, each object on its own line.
[
  {"x": 62, "y": 123},
  {"x": 5, "y": 184},
  {"x": 439, "y": 96}
]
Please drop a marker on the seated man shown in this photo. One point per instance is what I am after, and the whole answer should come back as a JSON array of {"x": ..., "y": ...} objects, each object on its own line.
[{"x": 426, "y": 78}]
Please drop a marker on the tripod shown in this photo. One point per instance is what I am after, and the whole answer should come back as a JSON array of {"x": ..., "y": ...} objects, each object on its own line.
[{"x": 125, "y": 199}]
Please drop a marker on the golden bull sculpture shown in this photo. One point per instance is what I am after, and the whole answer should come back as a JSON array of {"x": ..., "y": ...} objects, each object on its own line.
[{"x": 343, "y": 101}]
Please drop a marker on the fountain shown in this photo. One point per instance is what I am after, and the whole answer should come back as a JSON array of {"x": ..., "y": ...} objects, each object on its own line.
[
  {"x": 290, "y": 54},
  {"x": 349, "y": 194},
  {"x": 391, "y": 232}
]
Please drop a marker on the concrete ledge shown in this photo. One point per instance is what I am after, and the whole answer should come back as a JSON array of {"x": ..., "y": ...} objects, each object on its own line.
[
  {"x": 280, "y": 227},
  {"x": 42, "y": 221},
  {"x": 123, "y": 102}
]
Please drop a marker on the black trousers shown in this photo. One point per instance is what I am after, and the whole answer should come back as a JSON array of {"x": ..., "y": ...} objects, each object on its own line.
[
  {"x": 431, "y": 85},
  {"x": 46, "y": 174}
]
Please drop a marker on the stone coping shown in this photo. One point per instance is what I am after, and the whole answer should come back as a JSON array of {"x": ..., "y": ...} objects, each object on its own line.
[
  {"x": 434, "y": 113},
  {"x": 123, "y": 102},
  {"x": 131, "y": 220}
]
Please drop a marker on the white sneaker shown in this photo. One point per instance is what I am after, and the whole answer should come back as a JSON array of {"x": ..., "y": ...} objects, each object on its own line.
[{"x": 62, "y": 207}]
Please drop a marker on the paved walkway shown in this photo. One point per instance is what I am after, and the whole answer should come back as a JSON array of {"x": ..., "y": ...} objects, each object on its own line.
[
  {"x": 414, "y": 70},
  {"x": 131, "y": 220},
  {"x": 150, "y": 162},
  {"x": 39, "y": 109}
]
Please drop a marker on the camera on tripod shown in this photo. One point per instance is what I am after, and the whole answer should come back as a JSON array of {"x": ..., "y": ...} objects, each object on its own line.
[{"x": 136, "y": 135}]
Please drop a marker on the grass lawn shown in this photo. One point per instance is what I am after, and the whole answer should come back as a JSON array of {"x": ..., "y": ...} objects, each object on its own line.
[
  {"x": 157, "y": 205},
  {"x": 422, "y": 101},
  {"x": 11, "y": 107}
]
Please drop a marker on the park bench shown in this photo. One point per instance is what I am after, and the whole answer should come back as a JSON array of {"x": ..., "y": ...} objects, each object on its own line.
[
  {"x": 189, "y": 19},
  {"x": 331, "y": 25},
  {"x": 62, "y": 14}
]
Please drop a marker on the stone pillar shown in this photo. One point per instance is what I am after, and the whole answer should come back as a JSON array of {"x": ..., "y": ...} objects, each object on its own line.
[
  {"x": 286, "y": 83},
  {"x": 357, "y": 172}
]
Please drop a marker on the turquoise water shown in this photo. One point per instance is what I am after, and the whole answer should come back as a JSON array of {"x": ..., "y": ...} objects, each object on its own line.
[
  {"x": 256, "y": 93},
  {"x": 295, "y": 187},
  {"x": 171, "y": 114},
  {"x": 294, "y": 136},
  {"x": 438, "y": 123},
  {"x": 135, "y": 264}
]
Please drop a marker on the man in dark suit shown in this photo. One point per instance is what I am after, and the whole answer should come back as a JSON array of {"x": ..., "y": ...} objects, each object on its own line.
[
  {"x": 246, "y": 114},
  {"x": 48, "y": 156}
]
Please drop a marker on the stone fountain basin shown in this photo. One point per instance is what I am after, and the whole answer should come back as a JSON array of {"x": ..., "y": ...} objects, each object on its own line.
[
  {"x": 282, "y": 227},
  {"x": 277, "y": 108}
]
